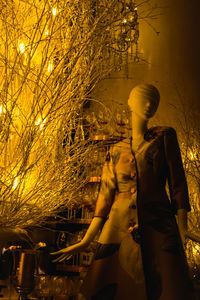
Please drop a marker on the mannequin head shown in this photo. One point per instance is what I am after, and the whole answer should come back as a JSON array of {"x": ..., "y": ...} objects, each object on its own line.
[{"x": 144, "y": 100}]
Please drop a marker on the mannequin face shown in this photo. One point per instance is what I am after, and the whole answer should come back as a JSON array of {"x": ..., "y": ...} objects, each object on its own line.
[{"x": 143, "y": 107}]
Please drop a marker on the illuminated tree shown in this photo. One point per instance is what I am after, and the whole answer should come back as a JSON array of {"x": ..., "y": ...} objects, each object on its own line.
[
  {"x": 190, "y": 147},
  {"x": 52, "y": 54},
  {"x": 189, "y": 135}
]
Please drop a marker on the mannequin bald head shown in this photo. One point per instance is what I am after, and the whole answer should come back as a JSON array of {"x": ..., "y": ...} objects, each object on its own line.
[{"x": 144, "y": 100}]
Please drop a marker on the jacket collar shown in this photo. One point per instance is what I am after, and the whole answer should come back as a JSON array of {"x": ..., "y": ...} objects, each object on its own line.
[{"x": 150, "y": 134}]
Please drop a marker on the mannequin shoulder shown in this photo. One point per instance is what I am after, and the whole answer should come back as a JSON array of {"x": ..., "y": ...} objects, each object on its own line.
[
  {"x": 163, "y": 130},
  {"x": 116, "y": 149},
  {"x": 158, "y": 132},
  {"x": 123, "y": 144}
]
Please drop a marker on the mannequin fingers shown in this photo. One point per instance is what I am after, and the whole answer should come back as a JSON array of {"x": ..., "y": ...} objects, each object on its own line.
[
  {"x": 62, "y": 251},
  {"x": 65, "y": 257},
  {"x": 56, "y": 252},
  {"x": 62, "y": 258},
  {"x": 58, "y": 258}
]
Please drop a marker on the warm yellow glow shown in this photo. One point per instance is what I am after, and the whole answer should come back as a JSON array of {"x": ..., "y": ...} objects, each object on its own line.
[
  {"x": 197, "y": 247},
  {"x": 50, "y": 67},
  {"x": 191, "y": 155},
  {"x": 124, "y": 21},
  {"x": 40, "y": 122},
  {"x": 2, "y": 110},
  {"x": 15, "y": 183},
  {"x": 46, "y": 70},
  {"x": 54, "y": 11},
  {"x": 21, "y": 47}
]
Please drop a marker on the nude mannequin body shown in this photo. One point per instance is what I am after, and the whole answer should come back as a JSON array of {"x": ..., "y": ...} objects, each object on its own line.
[{"x": 142, "y": 109}]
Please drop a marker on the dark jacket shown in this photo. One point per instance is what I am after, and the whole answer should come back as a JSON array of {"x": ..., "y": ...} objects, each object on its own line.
[{"x": 133, "y": 191}]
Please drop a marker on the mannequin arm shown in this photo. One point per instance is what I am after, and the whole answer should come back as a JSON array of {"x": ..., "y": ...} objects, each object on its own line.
[
  {"x": 182, "y": 223},
  {"x": 92, "y": 231}
]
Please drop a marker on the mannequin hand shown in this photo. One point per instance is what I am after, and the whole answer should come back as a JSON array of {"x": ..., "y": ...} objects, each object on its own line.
[{"x": 67, "y": 253}]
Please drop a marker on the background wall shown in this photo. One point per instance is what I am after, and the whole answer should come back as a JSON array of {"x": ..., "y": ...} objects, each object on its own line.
[{"x": 173, "y": 60}]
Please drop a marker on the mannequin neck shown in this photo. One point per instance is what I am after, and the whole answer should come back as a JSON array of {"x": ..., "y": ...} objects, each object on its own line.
[{"x": 139, "y": 126}]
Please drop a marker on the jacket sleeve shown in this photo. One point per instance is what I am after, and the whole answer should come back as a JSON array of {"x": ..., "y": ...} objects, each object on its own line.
[
  {"x": 107, "y": 188},
  {"x": 176, "y": 176}
]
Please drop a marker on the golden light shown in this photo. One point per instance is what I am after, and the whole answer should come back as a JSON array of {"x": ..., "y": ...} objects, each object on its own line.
[
  {"x": 2, "y": 110},
  {"x": 196, "y": 249},
  {"x": 50, "y": 67},
  {"x": 191, "y": 154},
  {"x": 124, "y": 21},
  {"x": 41, "y": 104},
  {"x": 40, "y": 122},
  {"x": 21, "y": 47},
  {"x": 54, "y": 11},
  {"x": 15, "y": 183}
]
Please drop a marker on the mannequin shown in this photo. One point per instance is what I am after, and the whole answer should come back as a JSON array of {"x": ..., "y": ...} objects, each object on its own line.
[
  {"x": 142, "y": 110},
  {"x": 140, "y": 243}
]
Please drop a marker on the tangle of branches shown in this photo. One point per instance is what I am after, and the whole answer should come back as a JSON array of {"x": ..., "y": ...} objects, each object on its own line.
[{"x": 52, "y": 55}]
